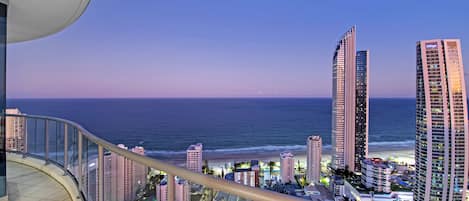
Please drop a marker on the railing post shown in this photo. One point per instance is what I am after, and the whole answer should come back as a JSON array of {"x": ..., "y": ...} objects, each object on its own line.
[
  {"x": 65, "y": 148},
  {"x": 79, "y": 170},
  {"x": 100, "y": 173},
  {"x": 25, "y": 137},
  {"x": 171, "y": 187},
  {"x": 46, "y": 141}
]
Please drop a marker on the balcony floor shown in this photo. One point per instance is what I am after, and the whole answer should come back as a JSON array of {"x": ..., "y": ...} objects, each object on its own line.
[{"x": 29, "y": 184}]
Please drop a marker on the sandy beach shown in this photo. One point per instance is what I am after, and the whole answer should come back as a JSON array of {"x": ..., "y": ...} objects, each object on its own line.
[{"x": 396, "y": 152}]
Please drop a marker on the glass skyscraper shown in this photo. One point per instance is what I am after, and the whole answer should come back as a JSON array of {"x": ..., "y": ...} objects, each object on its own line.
[
  {"x": 361, "y": 108},
  {"x": 349, "y": 104},
  {"x": 441, "y": 122}
]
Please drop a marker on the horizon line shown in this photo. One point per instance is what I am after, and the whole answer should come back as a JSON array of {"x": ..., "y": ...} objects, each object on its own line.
[{"x": 212, "y": 97}]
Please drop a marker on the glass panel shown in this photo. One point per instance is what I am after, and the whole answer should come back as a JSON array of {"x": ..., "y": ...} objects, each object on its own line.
[
  {"x": 109, "y": 188},
  {"x": 59, "y": 143},
  {"x": 84, "y": 167},
  {"x": 36, "y": 137},
  {"x": 90, "y": 175},
  {"x": 52, "y": 140},
  {"x": 73, "y": 151},
  {"x": 140, "y": 190},
  {"x": 206, "y": 193},
  {"x": 3, "y": 39},
  {"x": 125, "y": 179}
]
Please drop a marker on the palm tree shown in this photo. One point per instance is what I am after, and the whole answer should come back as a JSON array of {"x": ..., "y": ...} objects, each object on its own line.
[{"x": 271, "y": 168}]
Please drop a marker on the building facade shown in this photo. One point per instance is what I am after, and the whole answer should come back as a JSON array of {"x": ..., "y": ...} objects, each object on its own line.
[
  {"x": 349, "y": 104},
  {"x": 376, "y": 175},
  {"x": 313, "y": 159},
  {"x": 183, "y": 190},
  {"x": 194, "y": 157},
  {"x": 441, "y": 122},
  {"x": 361, "y": 108},
  {"x": 343, "y": 103},
  {"x": 246, "y": 177},
  {"x": 139, "y": 172},
  {"x": 162, "y": 191},
  {"x": 123, "y": 178},
  {"x": 15, "y": 131},
  {"x": 287, "y": 167}
]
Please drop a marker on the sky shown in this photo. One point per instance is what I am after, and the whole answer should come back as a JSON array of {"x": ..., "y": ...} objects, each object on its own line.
[{"x": 212, "y": 48}]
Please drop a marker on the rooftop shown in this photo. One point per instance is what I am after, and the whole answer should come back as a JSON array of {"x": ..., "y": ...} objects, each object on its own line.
[
  {"x": 314, "y": 138},
  {"x": 377, "y": 162},
  {"x": 194, "y": 147},
  {"x": 286, "y": 154}
]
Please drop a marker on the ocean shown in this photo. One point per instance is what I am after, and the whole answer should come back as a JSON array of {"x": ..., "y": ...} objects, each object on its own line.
[{"x": 165, "y": 127}]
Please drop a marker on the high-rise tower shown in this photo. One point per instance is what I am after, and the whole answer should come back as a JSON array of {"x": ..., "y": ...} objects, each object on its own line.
[
  {"x": 361, "y": 107},
  {"x": 194, "y": 157},
  {"x": 287, "y": 167},
  {"x": 343, "y": 102},
  {"x": 441, "y": 122},
  {"x": 313, "y": 159}
]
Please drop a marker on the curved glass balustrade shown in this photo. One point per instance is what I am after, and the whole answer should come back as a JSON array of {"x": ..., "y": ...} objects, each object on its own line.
[{"x": 106, "y": 172}]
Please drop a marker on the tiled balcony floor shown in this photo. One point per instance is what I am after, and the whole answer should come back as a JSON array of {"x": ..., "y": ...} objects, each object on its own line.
[{"x": 29, "y": 184}]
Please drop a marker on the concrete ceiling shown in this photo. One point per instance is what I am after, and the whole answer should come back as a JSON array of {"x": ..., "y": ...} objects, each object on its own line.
[{"x": 31, "y": 19}]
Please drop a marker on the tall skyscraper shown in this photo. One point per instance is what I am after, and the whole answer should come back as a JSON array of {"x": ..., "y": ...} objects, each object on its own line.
[
  {"x": 313, "y": 160},
  {"x": 182, "y": 190},
  {"x": 441, "y": 122},
  {"x": 139, "y": 172},
  {"x": 123, "y": 177},
  {"x": 287, "y": 167},
  {"x": 349, "y": 104},
  {"x": 194, "y": 157},
  {"x": 162, "y": 191},
  {"x": 343, "y": 102},
  {"x": 361, "y": 108}
]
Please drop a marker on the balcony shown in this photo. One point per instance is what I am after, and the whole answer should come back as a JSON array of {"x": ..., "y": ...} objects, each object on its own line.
[
  {"x": 90, "y": 168},
  {"x": 31, "y": 179}
]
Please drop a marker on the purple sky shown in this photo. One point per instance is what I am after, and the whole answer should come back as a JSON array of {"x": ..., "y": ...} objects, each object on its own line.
[{"x": 241, "y": 48}]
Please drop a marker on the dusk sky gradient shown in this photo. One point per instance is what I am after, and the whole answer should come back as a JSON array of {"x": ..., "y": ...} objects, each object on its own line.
[{"x": 246, "y": 48}]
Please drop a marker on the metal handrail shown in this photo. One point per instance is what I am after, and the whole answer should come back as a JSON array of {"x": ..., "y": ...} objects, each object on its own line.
[{"x": 223, "y": 185}]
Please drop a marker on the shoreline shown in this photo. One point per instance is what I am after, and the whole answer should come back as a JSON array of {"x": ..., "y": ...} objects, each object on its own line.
[{"x": 399, "y": 153}]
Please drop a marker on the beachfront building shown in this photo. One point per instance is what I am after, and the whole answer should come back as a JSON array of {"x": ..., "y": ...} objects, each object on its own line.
[
  {"x": 139, "y": 171},
  {"x": 15, "y": 133},
  {"x": 313, "y": 159},
  {"x": 246, "y": 177},
  {"x": 361, "y": 107},
  {"x": 123, "y": 178},
  {"x": 194, "y": 157},
  {"x": 349, "y": 104},
  {"x": 256, "y": 168},
  {"x": 376, "y": 175},
  {"x": 287, "y": 167},
  {"x": 343, "y": 102},
  {"x": 162, "y": 191},
  {"x": 441, "y": 122},
  {"x": 183, "y": 190},
  {"x": 121, "y": 175}
]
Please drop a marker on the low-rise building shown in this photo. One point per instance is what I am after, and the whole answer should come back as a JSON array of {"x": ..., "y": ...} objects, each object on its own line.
[
  {"x": 246, "y": 177},
  {"x": 376, "y": 175}
]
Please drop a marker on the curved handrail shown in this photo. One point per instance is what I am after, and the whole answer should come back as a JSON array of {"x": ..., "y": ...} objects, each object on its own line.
[{"x": 231, "y": 187}]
